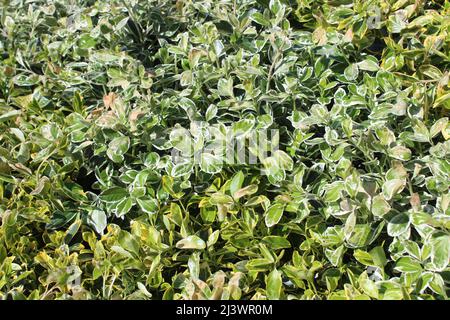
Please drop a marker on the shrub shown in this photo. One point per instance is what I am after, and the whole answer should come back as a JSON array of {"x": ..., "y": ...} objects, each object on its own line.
[{"x": 129, "y": 167}]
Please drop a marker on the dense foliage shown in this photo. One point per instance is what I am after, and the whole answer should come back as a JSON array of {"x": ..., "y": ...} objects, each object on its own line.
[{"x": 95, "y": 96}]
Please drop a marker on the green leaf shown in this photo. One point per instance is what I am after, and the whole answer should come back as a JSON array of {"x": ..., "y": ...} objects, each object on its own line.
[
  {"x": 440, "y": 251},
  {"x": 9, "y": 115},
  {"x": 396, "y": 22},
  {"x": 273, "y": 214},
  {"x": 274, "y": 173},
  {"x": 246, "y": 191},
  {"x": 218, "y": 48},
  {"x": 369, "y": 64},
  {"x": 236, "y": 182},
  {"x": 380, "y": 207},
  {"x": 72, "y": 231},
  {"x": 437, "y": 285},
  {"x": 368, "y": 286},
  {"x": 260, "y": 19},
  {"x": 408, "y": 265},
  {"x": 333, "y": 192},
  {"x": 378, "y": 256},
  {"x": 242, "y": 128},
  {"x": 351, "y": 72},
  {"x": 181, "y": 140},
  {"x": 114, "y": 195},
  {"x": 275, "y": 6},
  {"x": 421, "y": 132},
  {"x": 274, "y": 285},
  {"x": 442, "y": 100},
  {"x": 117, "y": 148},
  {"x": 277, "y": 242},
  {"x": 398, "y": 225},
  {"x": 438, "y": 126},
  {"x": 128, "y": 242},
  {"x": 191, "y": 242},
  {"x": 182, "y": 169},
  {"x": 149, "y": 206},
  {"x": 225, "y": 87},
  {"x": 364, "y": 257},
  {"x": 210, "y": 163},
  {"x": 97, "y": 218},
  {"x": 211, "y": 112},
  {"x": 335, "y": 255},
  {"x": 360, "y": 236},
  {"x": 283, "y": 160},
  {"x": 123, "y": 207},
  {"x": 393, "y": 187},
  {"x": 400, "y": 153}
]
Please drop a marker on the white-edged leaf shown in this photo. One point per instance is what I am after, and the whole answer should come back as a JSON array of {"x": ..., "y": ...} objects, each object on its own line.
[
  {"x": 191, "y": 242},
  {"x": 274, "y": 214}
]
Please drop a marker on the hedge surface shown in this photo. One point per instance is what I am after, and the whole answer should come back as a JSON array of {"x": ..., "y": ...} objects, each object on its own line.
[{"x": 95, "y": 96}]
